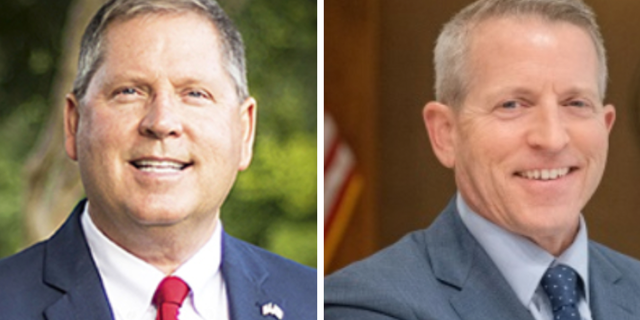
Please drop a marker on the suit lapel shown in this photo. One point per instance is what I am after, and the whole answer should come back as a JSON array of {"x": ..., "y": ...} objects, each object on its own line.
[
  {"x": 611, "y": 297},
  {"x": 245, "y": 279},
  {"x": 459, "y": 261},
  {"x": 68, "y": 267},
  {"x": 487, "y": 295}
]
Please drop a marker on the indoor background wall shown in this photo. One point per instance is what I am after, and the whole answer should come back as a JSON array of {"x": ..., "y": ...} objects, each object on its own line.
[{"x": 378, "y": 76}]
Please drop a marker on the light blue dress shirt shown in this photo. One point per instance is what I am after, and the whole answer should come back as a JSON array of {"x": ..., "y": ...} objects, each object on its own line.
[{"x": 523, "y": 263}]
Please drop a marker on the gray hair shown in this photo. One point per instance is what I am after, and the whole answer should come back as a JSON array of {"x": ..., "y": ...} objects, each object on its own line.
[
  {"x": 452, "y": 47},
  {"x": 92, "y": 47}
]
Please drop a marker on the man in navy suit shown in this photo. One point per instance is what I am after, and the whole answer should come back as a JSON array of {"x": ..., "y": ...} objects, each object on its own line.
[
  {"x": 519, "y": 117},
  {"x": 160, "y": 122}
]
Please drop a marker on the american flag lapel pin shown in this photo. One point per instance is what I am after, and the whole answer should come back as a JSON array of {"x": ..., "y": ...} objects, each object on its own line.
[{"x": 272, "y": 309}]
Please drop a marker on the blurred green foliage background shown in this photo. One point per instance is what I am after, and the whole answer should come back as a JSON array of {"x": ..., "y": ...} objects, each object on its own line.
[{"x": 273, "y": 203}]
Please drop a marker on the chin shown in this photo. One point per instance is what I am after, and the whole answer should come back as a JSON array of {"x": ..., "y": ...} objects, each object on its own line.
[
  {"x": 159, "y": 212},
  {"x": 164, "y": 216},
  {"x": 551, "y": 222}
]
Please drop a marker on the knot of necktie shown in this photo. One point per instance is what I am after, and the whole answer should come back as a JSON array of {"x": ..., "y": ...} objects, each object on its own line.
[
  {"x": 169, "y": 296},
  {"x": 561, "y": 285}
]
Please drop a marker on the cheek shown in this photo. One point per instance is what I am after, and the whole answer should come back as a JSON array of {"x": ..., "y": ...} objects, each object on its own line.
[
  {"x": 485, "y": 157},
  {"x": 474, "y": 166},
  {"x": 592, "y": 141},
  {"x": 483, "y": 150},
  {"x": 218, "y": 137},
  {"x": 87, "y": 134},
  {"x": 594, "y": 148},
  {"x": 101, "y": 135}
]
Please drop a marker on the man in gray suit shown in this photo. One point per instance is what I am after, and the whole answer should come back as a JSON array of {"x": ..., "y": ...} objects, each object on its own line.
[{"x": 519, "y": 117}]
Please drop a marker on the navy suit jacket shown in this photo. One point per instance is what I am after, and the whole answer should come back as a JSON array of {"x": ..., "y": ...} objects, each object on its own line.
[
  {"x": 442, "y": 273},
  {"x": 58, "y": 280}
]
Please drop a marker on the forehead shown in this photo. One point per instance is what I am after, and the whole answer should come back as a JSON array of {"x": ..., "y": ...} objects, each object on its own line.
[
  {"x": 185, "y": 39},
  {"x": 533, "y": 48},
  {"x": 506, "y": 34}
]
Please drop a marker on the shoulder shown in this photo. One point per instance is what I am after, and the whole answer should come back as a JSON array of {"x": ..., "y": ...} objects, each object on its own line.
[
  {"x": 625, "y": 264},
  {"x": 613, "y": 276},
  {"x": 409, "y": 252},
  {"x": 277, "y": 266},
  {"x": 386, "y": 285},
  {"x": 415, "y": 278},
  {"x": 294, "y": 281},
  {"x": 22, "y": 267},
  {"x": 23, "y": 274}
]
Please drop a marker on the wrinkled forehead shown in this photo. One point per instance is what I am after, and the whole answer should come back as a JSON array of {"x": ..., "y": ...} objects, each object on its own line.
[
  {"x": 482, "y": 33},
  {"x": 145, "y": 42},
  {"x": 140, "y": 20},
  {"x": 501, "y": 39},
  {"x": 181, "y": 48}
]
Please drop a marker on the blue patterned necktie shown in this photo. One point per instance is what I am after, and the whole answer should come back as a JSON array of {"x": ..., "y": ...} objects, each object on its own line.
[{"x": 561, "y": 285}]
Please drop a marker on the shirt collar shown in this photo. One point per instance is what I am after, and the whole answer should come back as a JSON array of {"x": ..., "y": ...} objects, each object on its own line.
[
  {"x": 201, "y": 269},
  {"x": 520, "y": 261},
  {"x": 131, "y": 282}
]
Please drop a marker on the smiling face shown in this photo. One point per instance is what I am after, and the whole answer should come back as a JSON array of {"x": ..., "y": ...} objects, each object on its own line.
[
  {"x": 529, "y": 143},
  {"x": 160, "y": 135}
]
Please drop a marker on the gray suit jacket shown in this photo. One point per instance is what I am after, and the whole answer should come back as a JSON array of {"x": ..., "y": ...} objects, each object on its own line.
[{"x": 442, "y": 273}]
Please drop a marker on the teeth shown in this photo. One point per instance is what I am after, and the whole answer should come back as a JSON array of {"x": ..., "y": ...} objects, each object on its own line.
[
  {"x": 159, "y": 169},
  {"x": 544, "y": 174},
  {"x": 159, "y": 166}
]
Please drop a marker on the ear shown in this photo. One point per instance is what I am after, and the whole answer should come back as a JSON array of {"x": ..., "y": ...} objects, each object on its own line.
[
  {"x": 248, "y": 114},
  {"x": 439, "y": 121},
  {"x": 609, "y": 116},
  {"x": 71, "y": 118}
]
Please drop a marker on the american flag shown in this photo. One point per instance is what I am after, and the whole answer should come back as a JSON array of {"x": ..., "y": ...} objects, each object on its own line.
[{"x": 342, "y": 186}]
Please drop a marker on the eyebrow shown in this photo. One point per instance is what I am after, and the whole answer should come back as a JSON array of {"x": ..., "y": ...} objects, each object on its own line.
[
  {"x": 581, "y": 91},
  {"x": 134, "y": 78},
  {"x": 523, "y": 91},
  {"x": 138, "y": 78}
]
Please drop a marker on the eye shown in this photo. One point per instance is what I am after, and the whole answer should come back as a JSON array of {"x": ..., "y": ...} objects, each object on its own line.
[
  {"x": 511, "y": 108},
  {"x": 578, "y": 103},
  {"x": 581, "y": 107},
  {"x": 196, "y": 94},
  {"x": 128, "y": 94},
  {"x": 512, "y": 104},
  {"x": 127, "y": 91}
]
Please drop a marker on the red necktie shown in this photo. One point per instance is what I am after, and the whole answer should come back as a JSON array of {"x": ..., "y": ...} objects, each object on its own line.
[{"x": 169, "y": 297}]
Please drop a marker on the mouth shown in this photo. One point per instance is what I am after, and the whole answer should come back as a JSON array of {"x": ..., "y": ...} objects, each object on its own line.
[
  {"x": 160, "y": 166},
  {"x": 546, "y": 174}
]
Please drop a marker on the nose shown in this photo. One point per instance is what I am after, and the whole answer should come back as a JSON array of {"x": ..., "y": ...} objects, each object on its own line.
[
  {"x": 160, "y": 120},
  {"x": 548, "y": 131}
]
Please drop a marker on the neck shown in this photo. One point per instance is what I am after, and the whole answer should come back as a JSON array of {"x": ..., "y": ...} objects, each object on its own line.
[
  {"x": 557, "y": 244},
  {"x": 166, "y": 247}
]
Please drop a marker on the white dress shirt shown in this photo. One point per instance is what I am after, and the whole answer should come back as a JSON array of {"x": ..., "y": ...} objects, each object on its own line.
[
  {"x": 523, "y": 263},
  {"x": 130, "y": 282}
]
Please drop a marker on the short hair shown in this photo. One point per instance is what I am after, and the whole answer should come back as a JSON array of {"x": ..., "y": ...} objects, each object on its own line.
[
  {"x": 453, "y": 44},
  {"x": 92, "y": 45}
]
